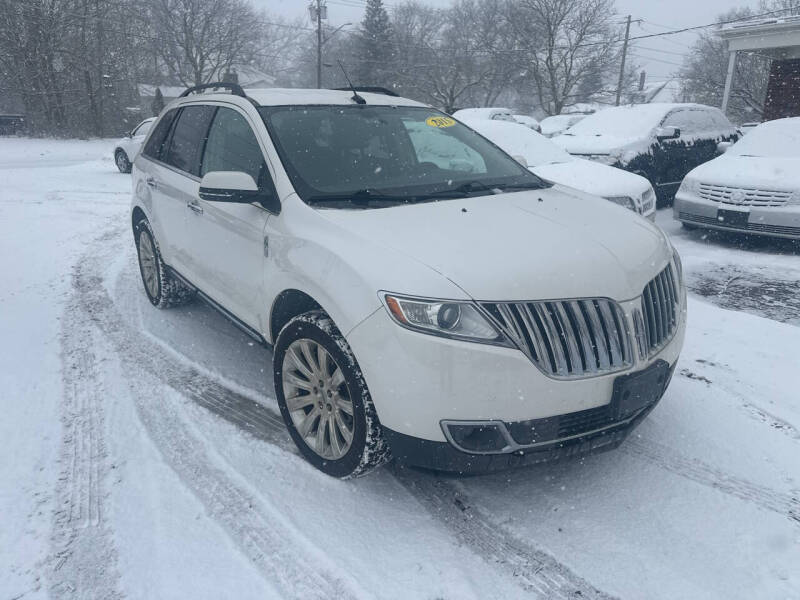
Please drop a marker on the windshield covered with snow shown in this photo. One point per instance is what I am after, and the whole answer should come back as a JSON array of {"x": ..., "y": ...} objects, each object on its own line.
[
  {"x": 629, "y": 122},
  {"x": 519, "y": 140},
  {"x": 779, "y": 139},
  {"x": 373, "y": 155}
]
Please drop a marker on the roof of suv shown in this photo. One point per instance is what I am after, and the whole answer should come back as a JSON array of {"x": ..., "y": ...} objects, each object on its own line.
[{"x": 292, "y": 96}]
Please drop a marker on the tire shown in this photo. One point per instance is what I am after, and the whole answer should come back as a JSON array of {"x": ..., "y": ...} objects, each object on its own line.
[
  {"x": 162, "y": 288},
  {"x": 367, "y": 447},
  {"x": 122, "y": 161}
]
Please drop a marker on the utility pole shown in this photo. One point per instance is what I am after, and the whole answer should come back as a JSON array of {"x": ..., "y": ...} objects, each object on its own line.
[
  {"x": 318, "y": 11},
  {"x": 624, "y": 54}
]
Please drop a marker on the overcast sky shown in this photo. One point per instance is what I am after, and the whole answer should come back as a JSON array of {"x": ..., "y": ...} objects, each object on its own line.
[{"x": 660, "y": 57}]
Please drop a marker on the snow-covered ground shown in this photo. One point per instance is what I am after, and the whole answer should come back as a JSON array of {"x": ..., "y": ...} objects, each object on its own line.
[{"x": 143, "y": 455}]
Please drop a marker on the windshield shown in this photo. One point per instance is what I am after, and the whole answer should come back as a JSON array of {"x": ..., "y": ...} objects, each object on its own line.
[
  {"x": 779, "y": 139},
  {"x": 384, "y": 154},
  {"x": 629, "y": 122}
]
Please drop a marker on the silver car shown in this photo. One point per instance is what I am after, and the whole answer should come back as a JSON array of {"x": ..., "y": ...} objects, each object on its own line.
[{"x": 754, "y": 187}]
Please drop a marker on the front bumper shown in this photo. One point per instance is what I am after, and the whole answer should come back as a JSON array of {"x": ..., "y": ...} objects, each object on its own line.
[
  {"x": 774, "y": 221},
  {"x": 443, "y": 456},
  {"x": 418, "y": 381}
]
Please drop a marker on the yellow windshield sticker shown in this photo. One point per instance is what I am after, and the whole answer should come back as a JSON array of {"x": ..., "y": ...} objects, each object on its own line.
[{"x": 440, "y": 122}]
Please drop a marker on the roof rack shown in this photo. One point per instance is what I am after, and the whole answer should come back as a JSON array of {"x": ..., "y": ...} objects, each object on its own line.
[
  {"x": 235, "y": 88},
  {"x": 369, "y": 90}
]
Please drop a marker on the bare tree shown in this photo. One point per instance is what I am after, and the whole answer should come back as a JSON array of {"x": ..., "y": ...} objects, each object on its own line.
[
  {"x": 560, "y": 43},
  {"x": 199, "y": 40}
]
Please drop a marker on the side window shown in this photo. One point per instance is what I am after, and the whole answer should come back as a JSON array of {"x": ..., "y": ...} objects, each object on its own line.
[
  {"x": 188, "y": 138},
  {"x": 155, "y": 144},
  {"x": 690, "y": 122},
  {"x": 142, "y": 128},
  {"x": 232, "y": 146}
]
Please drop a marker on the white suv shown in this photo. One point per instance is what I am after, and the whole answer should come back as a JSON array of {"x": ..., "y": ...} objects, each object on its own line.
[{"x": 457, "y": 313}]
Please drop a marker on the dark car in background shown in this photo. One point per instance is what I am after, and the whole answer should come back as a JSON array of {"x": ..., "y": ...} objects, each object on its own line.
[{"x": 661, "y": 142}]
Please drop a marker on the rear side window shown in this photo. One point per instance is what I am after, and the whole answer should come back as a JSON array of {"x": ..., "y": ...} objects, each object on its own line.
[
  {"x": 155, "y": 144},
  {"x": 188, "y": 138},
  {"x": 232, "y": 146}
]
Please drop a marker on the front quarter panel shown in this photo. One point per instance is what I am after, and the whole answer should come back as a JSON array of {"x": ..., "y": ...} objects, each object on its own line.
[{"x": 341, "y": 271}]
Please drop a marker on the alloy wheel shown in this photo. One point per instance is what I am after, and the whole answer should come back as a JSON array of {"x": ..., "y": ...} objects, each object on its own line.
[
  {"x": 147, "y": 263},
  {"x": 317, "y": 399}
]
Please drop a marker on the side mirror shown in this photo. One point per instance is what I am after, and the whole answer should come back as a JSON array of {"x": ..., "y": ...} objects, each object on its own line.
[
  {"x": 129, "y": 134},
  {"x": 667, "y": 133},
  {"x": 521, "y": 160},
  {"x": 236, "y": 187},
  {"x": 723, "y": 147}
]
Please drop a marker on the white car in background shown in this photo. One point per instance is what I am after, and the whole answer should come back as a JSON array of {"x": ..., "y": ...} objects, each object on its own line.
[
  {"x": 485, "y": 114},
  {"x": 557, "y": 124},
  {"x": 127, "y": 148},
  {"x": 529, "y": 122},
  {"x": 550, "y": 162},
  {"x": 754, "y": 187}
]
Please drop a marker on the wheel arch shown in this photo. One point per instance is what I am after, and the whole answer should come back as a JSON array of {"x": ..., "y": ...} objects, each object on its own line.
[
  {"x": 137, "y": 214},
  {"x": 287, "y": 305}
]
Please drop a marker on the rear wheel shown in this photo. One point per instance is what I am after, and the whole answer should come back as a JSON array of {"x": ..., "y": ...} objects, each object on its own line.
[
  {"x": 163, "y": 289},
  {"x": 123, "y": 163},
  {"x": 324, "y": 399}
]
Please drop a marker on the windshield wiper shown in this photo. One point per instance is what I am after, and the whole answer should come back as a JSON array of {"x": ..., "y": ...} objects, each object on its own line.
[{"x": 359, "y": 197}]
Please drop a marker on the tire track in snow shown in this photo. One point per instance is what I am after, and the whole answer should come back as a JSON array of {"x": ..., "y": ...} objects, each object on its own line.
[
  {"x": 785, "y": 504},
  {"x": 259, "y": 533},
  {"x": 532, "y": 569},
  {"x": 82, "y": 563},
  {"x": 536, "y": 571}
]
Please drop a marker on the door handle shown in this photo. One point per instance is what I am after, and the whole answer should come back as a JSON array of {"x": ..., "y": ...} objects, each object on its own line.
[
  {"x": 151, "y": 182},
  {"x": 194, "y": 206}
]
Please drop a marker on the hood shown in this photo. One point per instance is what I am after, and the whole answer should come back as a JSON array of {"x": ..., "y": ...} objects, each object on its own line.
[
  {"x": 779, "y": 174},
  {"x": 594, "y": 144},
  {"x": 594, "y": 178},
  {"x": 538, "y": 244}
]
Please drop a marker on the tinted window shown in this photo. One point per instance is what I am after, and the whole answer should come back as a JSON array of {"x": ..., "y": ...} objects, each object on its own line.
[
  {"x": 155, "y": 144},
  {"x": 232, "y": 146},
  {"x": 405, "y": 153},
  {"x": 188, "y": 138}
]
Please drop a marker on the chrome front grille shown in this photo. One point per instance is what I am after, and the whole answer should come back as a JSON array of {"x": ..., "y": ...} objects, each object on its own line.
[
  {"x": 657, "y": 322},
  {"x": 567, "y": 338},
  {"x": 743, "y": 196}
]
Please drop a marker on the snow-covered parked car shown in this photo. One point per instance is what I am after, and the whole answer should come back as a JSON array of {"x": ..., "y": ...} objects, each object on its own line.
[
  {"x": 528, "y": 121},
  {"x": 126, "y": 149},
  {"x": 485, "y": 114},
  {"x": 753, "y": 188},
  {"x": 557, "y": 124},
  {"x": 661, "y": 142},
  {"x": 552, "y": 163},
  {"x": 464, "y": 315}
]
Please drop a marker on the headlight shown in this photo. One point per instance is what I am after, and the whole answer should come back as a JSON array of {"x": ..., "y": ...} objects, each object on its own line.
[
  {"x": 458, "y": 320},
  {"x": 689, "y": 186},
  {"x": 625, "y": 201}
]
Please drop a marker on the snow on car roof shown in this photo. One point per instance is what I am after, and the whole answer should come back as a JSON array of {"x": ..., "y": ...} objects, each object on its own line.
[
  {"x": 518, "y": 140},
  {"x": 291, "y": 96},
  {"x": 625, "y": 121},
  {"x": 778, "y": 138},
  {"x": 466, "y": 114}
]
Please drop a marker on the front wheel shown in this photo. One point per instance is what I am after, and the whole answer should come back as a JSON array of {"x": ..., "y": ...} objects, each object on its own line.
[
  {"x": 324, "y": 399},
  {"x": 122, "y": 161},
  {"x": 163, "y": 289}
]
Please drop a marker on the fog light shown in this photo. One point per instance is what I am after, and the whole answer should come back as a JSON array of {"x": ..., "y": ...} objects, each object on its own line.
[{"x": 483, "y": 438}]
